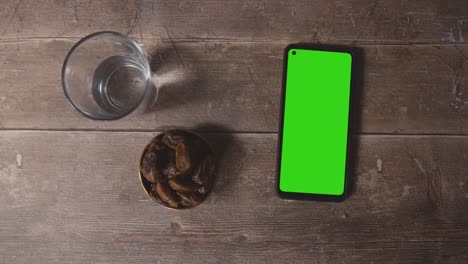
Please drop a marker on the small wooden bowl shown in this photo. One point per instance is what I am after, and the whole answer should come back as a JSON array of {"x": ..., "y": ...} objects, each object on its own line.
[{"x": 177, "y": 169}]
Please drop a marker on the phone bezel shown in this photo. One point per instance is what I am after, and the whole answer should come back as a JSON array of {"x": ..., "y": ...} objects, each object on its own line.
[{"x": 309, "y": 196}]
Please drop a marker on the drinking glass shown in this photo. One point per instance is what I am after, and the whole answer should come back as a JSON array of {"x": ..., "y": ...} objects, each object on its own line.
[{"x": 106, "y": 76}]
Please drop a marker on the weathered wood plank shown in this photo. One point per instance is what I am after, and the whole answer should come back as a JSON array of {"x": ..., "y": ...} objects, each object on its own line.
[
  {"x": 71, "y": 18},
  {"x": 320, "y": 20},
  {"x": 406, "y": 89},
  {"x": 75, "y": 197},
  {"x": 303, "y": 20}
]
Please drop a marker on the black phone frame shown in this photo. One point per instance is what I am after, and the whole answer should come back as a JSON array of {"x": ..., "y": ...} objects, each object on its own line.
[{"x": 308, "y": 196}]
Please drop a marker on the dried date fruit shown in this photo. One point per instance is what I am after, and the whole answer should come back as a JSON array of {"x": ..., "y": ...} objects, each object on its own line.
[
  {"x": 151, "y": 175},
  {"x": 172, "y": 138},
  {"x": 190, "y": 199},
  {"x": 182, "y": 157},
  {"x": 166, "y": 194},
  {"x": 170, "y": 171},
  {"x": 148, "y": 167},
  {"x": 203, "y": 171},
  {"x": 182, "y": 185}
]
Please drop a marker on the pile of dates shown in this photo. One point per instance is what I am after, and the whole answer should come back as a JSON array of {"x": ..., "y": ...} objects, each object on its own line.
[{"x": 177, "y": 169}]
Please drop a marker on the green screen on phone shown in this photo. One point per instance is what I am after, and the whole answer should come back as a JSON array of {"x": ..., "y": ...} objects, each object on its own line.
[{"x": 315, "y": 122}]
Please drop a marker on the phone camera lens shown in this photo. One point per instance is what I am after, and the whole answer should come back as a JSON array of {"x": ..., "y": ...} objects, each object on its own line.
[{"x": 294, "y": 53}]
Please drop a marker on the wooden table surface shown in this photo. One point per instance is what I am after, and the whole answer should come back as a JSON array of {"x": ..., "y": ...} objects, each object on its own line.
[{"x": 69, "y": 188}]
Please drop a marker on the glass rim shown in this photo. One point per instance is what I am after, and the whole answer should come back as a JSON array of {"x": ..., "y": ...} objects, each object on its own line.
[{"x": 83, "y": 40}]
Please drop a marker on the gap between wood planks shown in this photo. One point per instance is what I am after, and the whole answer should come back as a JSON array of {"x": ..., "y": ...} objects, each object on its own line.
[
  {"x": 285, "y": 41},
  {"x": 375, "y": 135}
]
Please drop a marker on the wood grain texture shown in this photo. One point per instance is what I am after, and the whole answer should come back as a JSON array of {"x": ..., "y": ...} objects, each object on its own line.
[
  {"x": 75, "y": 197},
  {"x": 56, "y": 18},
  {"x": 302, "y": 20},
  {"x": 405, "y": 89},
  {"x": 362, "y": 21}
]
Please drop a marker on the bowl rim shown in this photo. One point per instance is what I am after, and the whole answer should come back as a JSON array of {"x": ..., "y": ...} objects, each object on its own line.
[
  {"x": 154, "y": 198},
  {"x": 148, "y": 86}
]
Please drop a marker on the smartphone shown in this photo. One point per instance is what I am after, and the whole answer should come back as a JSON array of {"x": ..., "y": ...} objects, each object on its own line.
[{"x": 314, "y": 123}]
